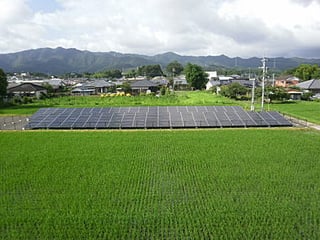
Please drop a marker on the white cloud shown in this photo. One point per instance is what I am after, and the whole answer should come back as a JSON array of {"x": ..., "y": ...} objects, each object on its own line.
[{"x": 203, "y": 27}]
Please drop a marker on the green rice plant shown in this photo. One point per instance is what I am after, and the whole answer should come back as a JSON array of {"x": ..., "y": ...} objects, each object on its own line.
[
  {"x": 196, "y": 184},
  {"x": 306, "y": 110}
]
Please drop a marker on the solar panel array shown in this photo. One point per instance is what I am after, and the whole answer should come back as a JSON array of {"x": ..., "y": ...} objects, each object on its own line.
[{"x": 153, "y": 117}]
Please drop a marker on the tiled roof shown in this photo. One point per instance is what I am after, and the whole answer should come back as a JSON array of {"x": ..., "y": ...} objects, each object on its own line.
[
  {"x": 99, "y": 84},
  {"x": 311, "y": 84},
  {"x": 143, "y": 84},
  {"x": 26, "y": 87}
]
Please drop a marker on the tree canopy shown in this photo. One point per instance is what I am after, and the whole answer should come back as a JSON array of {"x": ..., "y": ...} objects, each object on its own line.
[
  {"x": 150, "y": 71},
  {"x": 233, "y": 90},
  {"x": 277, "y": 93},
  {"x": 195, "y": 76},
  {"x": 174, "y": 68},
  {"x": 306, "y": 71},
  {"x": 114, "y": 73},
  {"x": 3, "y": 84}
]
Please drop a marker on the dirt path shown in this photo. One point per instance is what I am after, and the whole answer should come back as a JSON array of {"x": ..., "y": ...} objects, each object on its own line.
[
  {"x": 302, "y": 123},
  {"x": 13, "y": 122}
]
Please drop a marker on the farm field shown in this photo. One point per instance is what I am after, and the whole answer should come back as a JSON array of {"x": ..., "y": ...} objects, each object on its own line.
[
  {"x": 305, "y": 110},
  {"x": 195, "y": 184},
  {"x": 179, "y": 98}
]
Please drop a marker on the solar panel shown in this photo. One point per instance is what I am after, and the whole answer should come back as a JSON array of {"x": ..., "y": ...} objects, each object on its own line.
[{"x": 153, "y": 117}]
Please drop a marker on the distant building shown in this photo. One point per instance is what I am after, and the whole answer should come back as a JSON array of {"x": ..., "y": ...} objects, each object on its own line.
[
  {"x": 143, "y": 86},
  {"x": 223, "y": 80},
  {"x": 310, "y": 86},
  {"x": 212, "y": 75},
  {"x": 212, "y": 83},
  {"x": 180, "y": 83},
  {"x": 99, "y": 86},
  {"x": 287, "y": 81},
  {"x": 160, "y": 81},
  {"x": 26, "y": 89}
]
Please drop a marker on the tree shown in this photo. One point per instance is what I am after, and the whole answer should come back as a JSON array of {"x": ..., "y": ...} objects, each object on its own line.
[
  {"x": 196, "y": 76},
  {"x": 234, "y": 90},
  {"x": 3, "y": 84},
  {"x": 114, "y": 73},
  {"x": 131, "y": 74},
  {"x": 174, "y": 68},
  {"x": 306, "y": 72},
  {"x": 126, "y": 87},
  {"x": 277, "y": 93},
  {"x": 150, "y": 71}
]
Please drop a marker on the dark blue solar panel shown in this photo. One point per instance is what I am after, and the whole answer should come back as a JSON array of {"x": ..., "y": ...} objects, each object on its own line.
[{"x": 153, "y": 117}]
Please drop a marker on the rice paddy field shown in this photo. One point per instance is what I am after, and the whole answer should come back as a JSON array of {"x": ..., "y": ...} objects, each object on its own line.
[
  {"x": 305, "y": 110},
  {"x": 173, "y": 184}
]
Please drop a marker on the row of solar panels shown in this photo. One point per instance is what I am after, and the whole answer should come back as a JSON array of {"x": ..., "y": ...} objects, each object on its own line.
[{"x": 153, "y": 117}]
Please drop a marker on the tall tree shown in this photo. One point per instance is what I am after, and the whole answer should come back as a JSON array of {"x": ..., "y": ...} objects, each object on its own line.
[
  {"x": 306, "y": 71},
  {"x": 3, "y": 84},
  {"x": 150, "y": 71},
  {"x": 196, "y": 76},
  {"x": 174, "y": 68}
]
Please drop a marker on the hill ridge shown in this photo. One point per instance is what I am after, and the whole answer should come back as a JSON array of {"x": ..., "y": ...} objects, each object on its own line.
[{"x": 64, "y": 60}]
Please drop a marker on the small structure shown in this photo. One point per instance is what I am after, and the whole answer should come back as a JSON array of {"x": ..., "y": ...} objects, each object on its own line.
[
  {"x": 82, "y": 91},
  {"x": 295, "y": 95},
  {"x": 310, "y": 86},
  {"x": 228, "y": 80},
  {"x": 180, "y": 83},
  {"x": 27, "y": 89},
  {"x": 212, "y": 75},
  {"x": 57, "y": 84},
  {"x": 99, "y": 86},
  {"x": 160, "y": 81},
  {"x": 143, "y": 86},
  {"x": 212, "y": 83}
]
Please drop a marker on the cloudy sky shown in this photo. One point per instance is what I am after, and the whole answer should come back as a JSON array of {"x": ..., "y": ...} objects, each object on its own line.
[{"x": 242, "y": 28}]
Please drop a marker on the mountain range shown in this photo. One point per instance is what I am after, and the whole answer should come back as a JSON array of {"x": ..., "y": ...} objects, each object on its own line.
[{"x": 61, "y": 60}]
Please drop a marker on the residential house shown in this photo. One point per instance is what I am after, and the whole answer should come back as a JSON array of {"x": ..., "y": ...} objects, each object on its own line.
[
  {"x": 212, "y": 75},
  {"x": 287, "y": 81},
  {"x": 310, "y": 86},
  {"x": 143, "y": 86},
  {"x": 57, "y": 84},
  {"x": 212, "y": 83},
  {"x": 160, "y": 81},
  {"x": 26, "y": 89},
  {"x": 228, "y": 80},
  {"x": 99, "y": 86},
  {"x": 180, "y": 83},
  {"x": 82, "y": 91}
]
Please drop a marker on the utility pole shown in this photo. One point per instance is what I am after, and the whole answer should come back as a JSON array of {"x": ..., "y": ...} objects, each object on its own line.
[
  {"x": 252, "y": 93},
  {"x": 273, "y": 80},
  {"x": 264, "y": 72},
  {"x": 252, "y": 90}
]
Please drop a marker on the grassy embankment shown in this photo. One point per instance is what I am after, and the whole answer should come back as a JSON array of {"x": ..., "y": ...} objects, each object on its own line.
[{"x": 179, "y": 98}]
